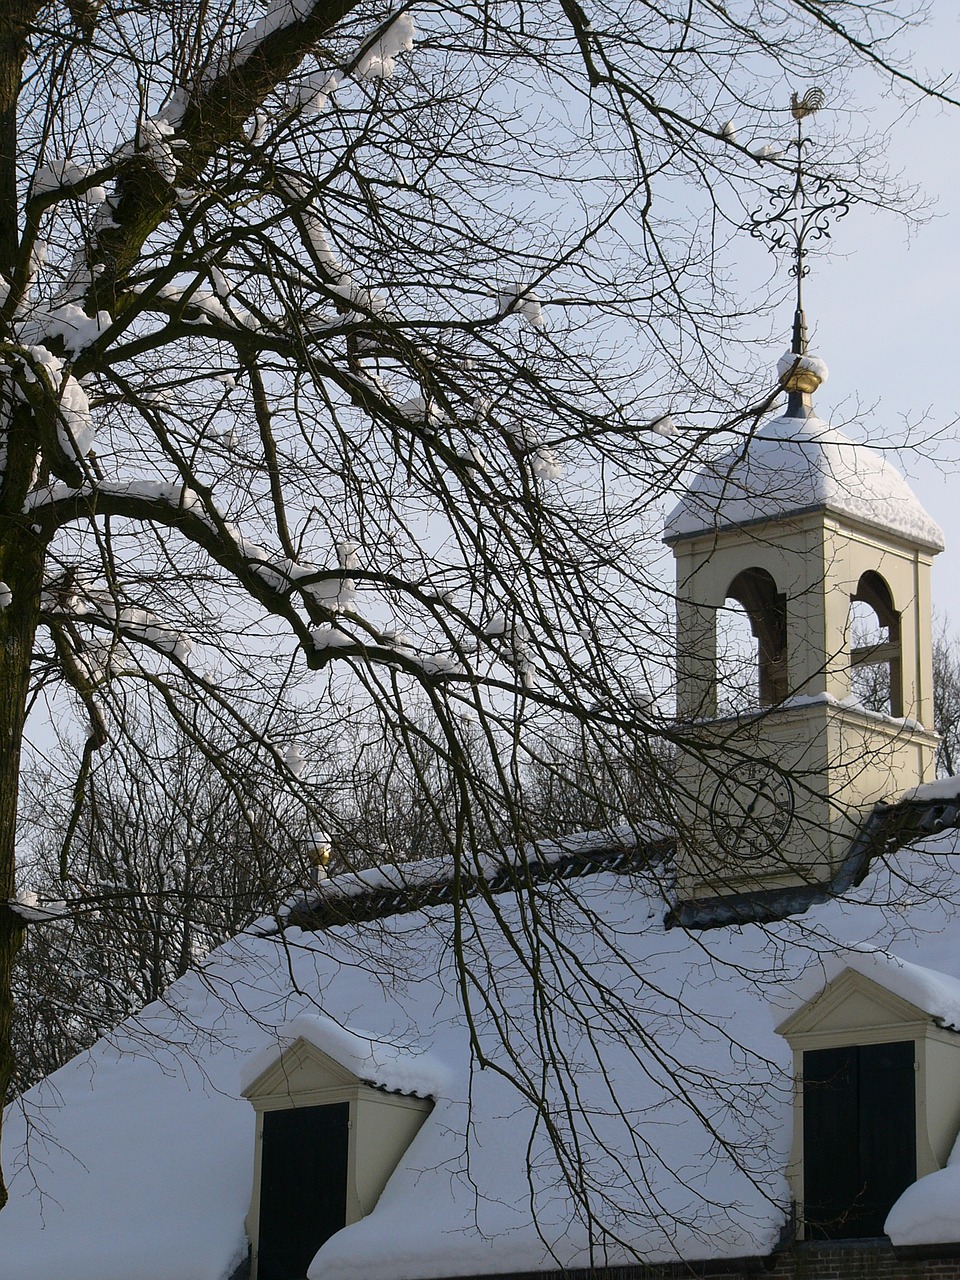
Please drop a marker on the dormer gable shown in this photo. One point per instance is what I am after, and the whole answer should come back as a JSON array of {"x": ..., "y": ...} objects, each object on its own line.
[
  {"x": 853, "y": 1004},
  {"x": 301, "y": 1070}
]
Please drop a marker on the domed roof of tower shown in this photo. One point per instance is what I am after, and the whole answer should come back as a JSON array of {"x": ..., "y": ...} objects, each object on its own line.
[{"x": 797, "y": 464}]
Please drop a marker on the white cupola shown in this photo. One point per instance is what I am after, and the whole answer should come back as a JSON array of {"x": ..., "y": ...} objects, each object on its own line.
[{"x": 799, "y": 526}]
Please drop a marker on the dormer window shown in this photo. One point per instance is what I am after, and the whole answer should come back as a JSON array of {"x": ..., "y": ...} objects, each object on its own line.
[
  {"x": 877, "y": 1103},
  {"x": 859, "y": 1136},
  {"x": 329, "y": 1133},
  {"x": 303, "y": 1186}
]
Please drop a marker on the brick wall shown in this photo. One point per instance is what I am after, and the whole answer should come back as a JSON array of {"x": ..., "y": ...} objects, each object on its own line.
[
  {"x": 834, "y": 1260},
  {"x": 855, "y": 1260}
]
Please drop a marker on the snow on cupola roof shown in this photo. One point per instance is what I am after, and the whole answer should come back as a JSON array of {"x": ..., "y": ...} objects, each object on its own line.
[{"x": 796, "y": 464}]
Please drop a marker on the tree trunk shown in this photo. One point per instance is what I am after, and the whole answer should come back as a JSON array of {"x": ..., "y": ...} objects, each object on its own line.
[{"x": 22, "y": 557}]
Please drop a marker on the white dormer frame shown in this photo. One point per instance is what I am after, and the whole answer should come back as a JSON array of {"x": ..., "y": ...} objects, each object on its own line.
[
  {"x": 381, "y": 1124},
  {"x": 853, "y": 1010}
]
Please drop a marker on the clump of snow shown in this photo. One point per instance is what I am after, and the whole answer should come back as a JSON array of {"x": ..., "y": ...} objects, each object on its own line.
[
  {"x": 545, "y": 464},
  {"x": 75, "y": 427},
  {"x": 368, "y": 300},
  {"x": 933, "y": 792},
  {"x": 767, "y": 152},
  {"x": 813, "y": 364},
  {"x": 38, "y": 258},
  {"x": 69, "y": 323},
  {"x": 521, "y": 301},
  {"x": 157, "y": 144},
  {"x": 27, "y": 906},
  {"x": 347, "y": 559},
  {"x": 794, "y": 465},
  {"x": 437, "y": 664},
  {"x": 380, "y": 59},
  {"x": 728, "y": 130},
  {"x": 210, "y": 306},
  {"x": 318, "y": 236},
  {"x": 419, "y": 409},
  {"x": 312, "y": 93},
  {"x": 928, "y": 1212},
  {"x": 294, "y": 760},
  {"x": 664, "y": 425},
  {"x": 544, "y": 459},
  {"x": 6, "y": 596},
  {"x": 330, "y": 637}
]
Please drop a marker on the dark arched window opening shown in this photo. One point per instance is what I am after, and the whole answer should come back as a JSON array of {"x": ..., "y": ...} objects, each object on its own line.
[
  {"x": 875, "y": 656},
  {"x": 766, "y": 608}
]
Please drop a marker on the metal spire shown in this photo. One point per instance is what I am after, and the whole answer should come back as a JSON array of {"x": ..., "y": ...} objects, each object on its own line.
[{"x": 798, "y": 214}]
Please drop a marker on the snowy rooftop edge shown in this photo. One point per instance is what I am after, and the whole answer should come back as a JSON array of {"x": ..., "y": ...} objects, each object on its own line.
[{"x": 402, "y": 877}]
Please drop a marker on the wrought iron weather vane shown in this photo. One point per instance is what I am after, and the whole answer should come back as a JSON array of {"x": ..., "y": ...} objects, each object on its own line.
[{"x": 800, "y": 213}]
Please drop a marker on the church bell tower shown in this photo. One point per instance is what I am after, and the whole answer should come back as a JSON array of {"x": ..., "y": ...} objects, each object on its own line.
[{"x": 803, "y": 529}]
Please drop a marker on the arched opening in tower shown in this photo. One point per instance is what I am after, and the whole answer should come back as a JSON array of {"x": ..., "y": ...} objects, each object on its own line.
[
  {"x": 752, "y": 643},
  {"x": 876, "y": 675}
]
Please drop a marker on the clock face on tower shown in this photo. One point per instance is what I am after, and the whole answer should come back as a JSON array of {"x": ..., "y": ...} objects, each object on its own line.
[{"x": 752, "y": 810}]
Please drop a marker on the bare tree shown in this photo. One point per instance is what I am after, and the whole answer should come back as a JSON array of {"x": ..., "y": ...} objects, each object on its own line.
[
  {"x": 304, "y": 321},
  {"x": 946, "y": 699},
  {"x": 169, "y": 858}
]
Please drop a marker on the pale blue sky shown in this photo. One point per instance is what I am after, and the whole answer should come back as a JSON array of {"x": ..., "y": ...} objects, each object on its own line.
[{"x": 885, "y": 310}]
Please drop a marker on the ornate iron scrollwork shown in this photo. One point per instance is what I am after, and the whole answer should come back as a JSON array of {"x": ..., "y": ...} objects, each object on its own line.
[{"x": 799, "y": 213}]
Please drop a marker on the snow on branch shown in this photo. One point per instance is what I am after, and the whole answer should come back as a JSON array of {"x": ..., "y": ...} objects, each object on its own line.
[
  {"x": 520, "y": 300},
  {"x": 68, "y": 178},
  {"x": 379, "y": 59},
  {"x": 29, "y": 908},
  {"x": 69, "y": 323},
  {"x": 157, "y": 144},
  {"x": 376, "y": 61},
  {"x": 42, "y": 369},
  {"x": 101, "y": 608}
]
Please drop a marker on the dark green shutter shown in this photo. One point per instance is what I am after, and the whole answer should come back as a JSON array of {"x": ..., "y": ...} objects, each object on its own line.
[
  {"x": 303, "y": 1187},
  {"x": 859, "y": 1136}
]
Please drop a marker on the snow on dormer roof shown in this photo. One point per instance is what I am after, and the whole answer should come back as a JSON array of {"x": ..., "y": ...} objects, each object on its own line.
[
  {"x": 794, "y": 465},
  {"x": 383, "y": 1062},
  {"x": 929, "y": 991}
]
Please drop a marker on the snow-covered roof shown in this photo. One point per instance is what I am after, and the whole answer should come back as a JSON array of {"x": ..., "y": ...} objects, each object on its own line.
[
  {"x": 793, "y": 465},
  {"x": 136, "y": 1159}
]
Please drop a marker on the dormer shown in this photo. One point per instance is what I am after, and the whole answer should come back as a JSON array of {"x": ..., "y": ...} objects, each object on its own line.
[
  {"x": 332, "y": 1124},
  {"x": 800, "y": 528},
  {"x": 876, "y": 1056}
]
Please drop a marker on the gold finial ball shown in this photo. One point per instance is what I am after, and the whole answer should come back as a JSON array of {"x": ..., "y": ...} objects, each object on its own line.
[
  {"x": 803, "y": 374},
  {"x": 320, "y": 851},
  {"x": 800, "y": 380}
]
